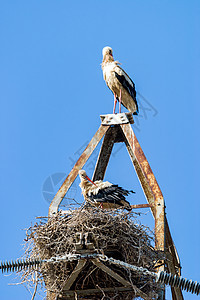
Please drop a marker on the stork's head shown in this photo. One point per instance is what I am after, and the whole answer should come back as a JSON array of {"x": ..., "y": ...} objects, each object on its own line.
[
  {"x": 83, "y": 176},
  {"x": 107, "y": 54}
]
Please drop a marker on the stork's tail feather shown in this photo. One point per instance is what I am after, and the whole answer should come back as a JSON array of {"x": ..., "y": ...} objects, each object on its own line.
[
  {"x": 136, "y": 113},
  {"x": 137, "y": 109}
]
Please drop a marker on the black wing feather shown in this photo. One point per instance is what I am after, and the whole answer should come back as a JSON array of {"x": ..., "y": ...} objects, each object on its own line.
[
  {"x": 112, "y": 194},
  {"x": 128, "y": 87}
]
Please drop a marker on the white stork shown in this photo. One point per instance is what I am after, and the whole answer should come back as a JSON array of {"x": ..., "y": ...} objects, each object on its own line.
[
  {"x": 103, "y": 194},
  {"x": 118, "y": 82}
]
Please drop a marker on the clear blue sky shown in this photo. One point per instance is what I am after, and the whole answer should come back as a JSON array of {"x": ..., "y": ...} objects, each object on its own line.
[{"x": 52, "y": 93}]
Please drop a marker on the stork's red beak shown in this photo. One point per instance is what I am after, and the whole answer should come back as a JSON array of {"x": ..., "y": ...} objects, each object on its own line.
[{"x": 89, "y": 180}]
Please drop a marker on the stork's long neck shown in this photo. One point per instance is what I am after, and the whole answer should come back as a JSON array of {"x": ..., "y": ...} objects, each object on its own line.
[
  {"x": 107, "y": 58},
  {"x": 85, "y": 186}
]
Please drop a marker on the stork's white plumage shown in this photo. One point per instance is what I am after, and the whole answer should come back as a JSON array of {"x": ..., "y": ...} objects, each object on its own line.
[
  {"x": 104, "y": 194},
  {"x": 119, "y": 82}
]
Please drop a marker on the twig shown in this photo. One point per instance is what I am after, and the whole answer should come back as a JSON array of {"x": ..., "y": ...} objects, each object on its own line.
[{"x": 36, "y": 285}]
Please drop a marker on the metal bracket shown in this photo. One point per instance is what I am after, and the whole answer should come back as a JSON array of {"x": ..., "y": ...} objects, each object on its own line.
[
  {"x": 84, "y": 241},
  {"x": 116, "y": 119}
]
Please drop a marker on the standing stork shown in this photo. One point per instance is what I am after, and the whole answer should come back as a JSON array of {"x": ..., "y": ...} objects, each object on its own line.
[
  {"x": 118, "y": 82},
  {"x": 103, "y": 194}
]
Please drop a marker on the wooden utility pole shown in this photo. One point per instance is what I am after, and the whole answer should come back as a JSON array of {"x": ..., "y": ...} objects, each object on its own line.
[{"x": 117, "y": 128}]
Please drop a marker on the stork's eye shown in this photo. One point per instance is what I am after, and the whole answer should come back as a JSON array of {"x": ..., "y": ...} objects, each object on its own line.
[{"x": 110, "y": 51}]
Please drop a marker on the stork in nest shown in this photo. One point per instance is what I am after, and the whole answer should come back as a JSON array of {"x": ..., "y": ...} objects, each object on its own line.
[
  {"x": 103, "y": 194},
  {"x": 119, "y": 82}
]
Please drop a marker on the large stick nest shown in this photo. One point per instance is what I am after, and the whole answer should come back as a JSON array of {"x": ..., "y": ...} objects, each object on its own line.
[{"x": 113, "y": 233}]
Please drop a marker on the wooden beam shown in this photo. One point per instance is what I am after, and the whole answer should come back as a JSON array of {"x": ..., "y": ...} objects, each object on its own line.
[
  {"x": 118, "y": 277},
  {"x": 135, "y": 206},
  {"x": 151, "y": 189},
  {"x": 79, "y": 267},
  {"x": 104, "y": 154},
  {"x": 68, "y": 294},
  {"x": 110, "y": 272},
  {"x": 173, "y": 265}
]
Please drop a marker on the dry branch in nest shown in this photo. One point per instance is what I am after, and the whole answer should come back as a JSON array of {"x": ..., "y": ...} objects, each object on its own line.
[{"x": 114, "y": 233}]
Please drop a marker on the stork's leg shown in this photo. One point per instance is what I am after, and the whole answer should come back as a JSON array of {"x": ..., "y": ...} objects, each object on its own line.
[
  {"x": 115, "y": 102},
  {"x": 120, "y": 100}
]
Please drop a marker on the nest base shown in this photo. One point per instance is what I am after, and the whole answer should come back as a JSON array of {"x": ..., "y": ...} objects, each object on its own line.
[{"x": 116, "y": 234}]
